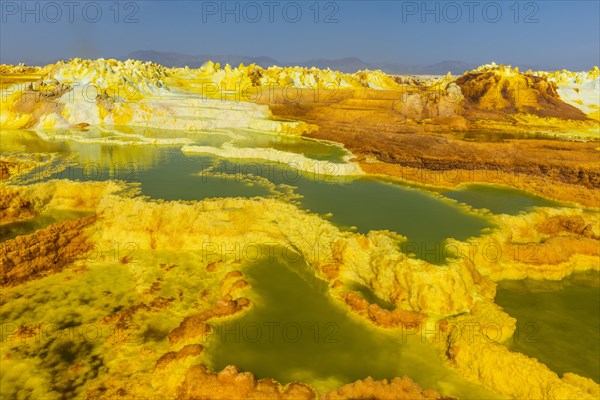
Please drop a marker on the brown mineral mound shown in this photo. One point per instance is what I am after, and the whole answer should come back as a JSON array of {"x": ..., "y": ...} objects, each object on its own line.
[
  {"x": 230, "y": 384},
  {"x": 124, "y": 319},
  {"x": 566, "y": 223},
  {"x": 20, "y": 164},
  {"x": 195, "y": 326},
  {"x": 43, "y": 252},
  {"x": 14, "y": 206},
  {"x": 396, "y": 389},
  {"x": 381, "y": 316},
  {"x": 11, "y": 167},
  {"x": 189, "y": 350},
  {"x": 562, "y": 178},
  {"x": 419, "y": 135},
  {"x": 509, "y": 91},
  {"x": 544, "y": 244}
]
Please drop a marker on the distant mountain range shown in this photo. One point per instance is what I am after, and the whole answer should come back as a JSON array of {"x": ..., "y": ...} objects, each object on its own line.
[{"x": 347, "y": 64}]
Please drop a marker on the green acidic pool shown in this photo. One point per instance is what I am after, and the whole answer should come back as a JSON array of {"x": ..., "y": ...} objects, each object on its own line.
[
  {"x": 364, "y": 203},
  {"x": 499, "y": 200},
  {"x": 558, "y": 321},
  {"x": 335, "y": 347},
  {"x": 296, "y": 331}
]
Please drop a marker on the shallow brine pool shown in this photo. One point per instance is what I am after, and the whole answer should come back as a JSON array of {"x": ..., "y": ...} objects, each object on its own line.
[{"x": 295, "y": 331}]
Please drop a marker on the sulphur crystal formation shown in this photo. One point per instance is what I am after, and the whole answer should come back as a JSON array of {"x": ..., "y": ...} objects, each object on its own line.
[
  {"x": 81, "y": 93},
  {"x": 439, "y": 297}
]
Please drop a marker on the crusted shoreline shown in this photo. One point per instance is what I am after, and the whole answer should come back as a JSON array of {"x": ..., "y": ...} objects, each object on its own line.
[
  {"x": 426, "y": 132},
  {"x": 459, "y": 294}
]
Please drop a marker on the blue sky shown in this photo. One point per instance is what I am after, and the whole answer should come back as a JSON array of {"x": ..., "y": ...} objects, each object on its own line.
[{"x": 557, "y": 34}]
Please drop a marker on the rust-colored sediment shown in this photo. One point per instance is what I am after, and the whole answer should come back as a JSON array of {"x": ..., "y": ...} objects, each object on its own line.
[
  {"x": 380, "y": 316},
  {"x": 12, "y": 166},
  {"x": 14, "y": 206},
  {"x": 488, "y": 91},
  {"x": 418, "y": 135},
  {"x": 543, "y": 244},
  {"x": 229, "y": 384},
  {"x": 44, "y": 252},
  {"x": 397, "y": 388}
]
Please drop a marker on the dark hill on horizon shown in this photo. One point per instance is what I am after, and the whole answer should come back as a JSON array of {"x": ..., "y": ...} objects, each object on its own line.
[{"x": 346, "y": 64}]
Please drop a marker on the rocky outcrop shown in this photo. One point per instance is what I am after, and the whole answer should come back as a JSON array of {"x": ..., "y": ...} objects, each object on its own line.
[
  {"x": 476, "y": 128},
  {"x": 507, "y": 90},
  {"x": 544, "y": 244},
  {"x": 216, "y": 232},
  {"x": 416, "y": 128},
  {"x": 109, "y": 92},
  {"x": 14, "y": 206},
  {"x": 395, "y": 389},
  {"x": 46, "y": 90},
  {"x": 195, "y": 326},
  {"x": 13, "y": 166},
  {"x": 440, "y": 143},
  {"x": 44, "y": 252},
  {"x": 380, "y": 316},
  {"x": 189, "y": 350},
  {"x": 229, "y": 384}
]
